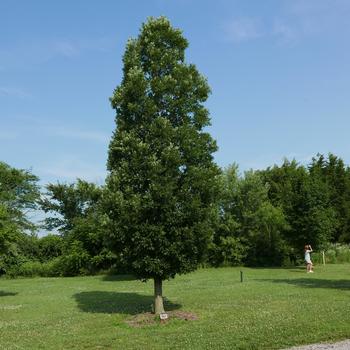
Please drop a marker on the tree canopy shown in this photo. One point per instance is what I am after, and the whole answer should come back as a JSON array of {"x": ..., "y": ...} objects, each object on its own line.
[{"x": 162, "y": 181}]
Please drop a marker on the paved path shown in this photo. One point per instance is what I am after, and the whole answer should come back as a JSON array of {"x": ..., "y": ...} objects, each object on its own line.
[{"x": 342, "y": 345}]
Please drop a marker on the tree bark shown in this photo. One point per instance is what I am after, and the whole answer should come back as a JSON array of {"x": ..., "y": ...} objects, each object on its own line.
[{"x": 158, "y": 296}]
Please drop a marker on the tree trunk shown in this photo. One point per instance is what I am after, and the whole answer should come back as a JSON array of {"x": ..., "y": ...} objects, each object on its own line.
[{"x": 158, "y": 296}]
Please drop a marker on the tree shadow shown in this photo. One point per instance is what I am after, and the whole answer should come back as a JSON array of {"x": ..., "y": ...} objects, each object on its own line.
[
  {"x": 314, "y": 283},
  {"x": 120, "y": 278},
  {"x": 5, "y": 294},
  {"x": 297, "y": 269},
  {"x": 113, "y": 302}
]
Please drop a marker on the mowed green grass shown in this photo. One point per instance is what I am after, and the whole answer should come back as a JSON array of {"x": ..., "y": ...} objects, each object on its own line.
[{"x": 271, "y": 309}]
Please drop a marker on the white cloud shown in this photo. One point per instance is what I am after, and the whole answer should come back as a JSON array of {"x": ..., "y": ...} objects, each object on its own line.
[{"x": 243, "y": 29}]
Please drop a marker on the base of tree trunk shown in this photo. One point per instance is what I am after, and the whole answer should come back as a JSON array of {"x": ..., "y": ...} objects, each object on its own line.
[{"x": 158, "y": 296}]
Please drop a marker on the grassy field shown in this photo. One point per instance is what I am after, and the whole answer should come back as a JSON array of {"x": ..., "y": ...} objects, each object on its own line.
[{"x": 271, "y": 309}]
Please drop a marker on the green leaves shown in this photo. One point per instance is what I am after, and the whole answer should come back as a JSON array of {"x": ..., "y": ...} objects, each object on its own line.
[
  {"x": 19, "y": 194},
  {"x": 163, "y": 182}
]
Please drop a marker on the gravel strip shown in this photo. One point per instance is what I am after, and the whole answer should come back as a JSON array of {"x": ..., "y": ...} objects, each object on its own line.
[{"x": 342, "y": 345}]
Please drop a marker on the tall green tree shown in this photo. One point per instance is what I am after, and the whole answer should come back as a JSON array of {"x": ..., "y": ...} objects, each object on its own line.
[
  {"x": 226, "y": 247},
  {"x": 262, "y": 224},
  {"x": 162, "y": 181}
]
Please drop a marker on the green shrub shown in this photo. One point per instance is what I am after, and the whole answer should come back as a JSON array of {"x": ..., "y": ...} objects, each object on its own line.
[
  {"x": 342, "y": 253},
  {"x": 335, "y": 254},
  {"x": 30, "y": 269},
  {"x": 51, "y": 246},
  {"x": 76, "y": 261}
]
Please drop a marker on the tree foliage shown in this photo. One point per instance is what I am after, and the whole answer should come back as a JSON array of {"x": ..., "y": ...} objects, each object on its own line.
[
  {"x": 19, "y": 193},
  {"x": 162, "y": 178},
  {"x": 250, "y": 228},
  {"x": 75, "y": 212}
]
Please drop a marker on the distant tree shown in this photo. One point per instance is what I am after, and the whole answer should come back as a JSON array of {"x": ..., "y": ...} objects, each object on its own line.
[
  {"x": 74, "y": 211},
  {"x": 336, "y": 176},
  {"x": 226, "y": 247},
  {"x": 162, "y": 181},
  {"x": 250, "y": 228},
  {"x": 9, "y": 230},
  {"x": 68, "y": 202},
  {"x": 19, "y": 194},
  {"x": 305, "y": 201},
  {"x": 286, "y": 185},
  {"x": 261, "y": 223}
]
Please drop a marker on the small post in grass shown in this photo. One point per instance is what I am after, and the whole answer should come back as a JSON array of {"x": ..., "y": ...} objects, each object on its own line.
[
  {"x": 323, "y": 258},
  {"x": 241, "y": 276}
]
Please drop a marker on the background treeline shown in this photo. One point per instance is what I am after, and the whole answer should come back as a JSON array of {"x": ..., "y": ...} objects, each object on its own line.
[{"x": 263, "y": 218}]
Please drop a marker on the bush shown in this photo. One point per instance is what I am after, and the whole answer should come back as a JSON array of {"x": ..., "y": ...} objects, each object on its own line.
[
  {"x": 11, "y": 262},
  {"x": 335, "y": 254},
  {"x": 229, "y": 251},
  {"x": 51, "y": 246},
  {"x": 30, "y": 269},
  {"x": 75, "y": 262}
]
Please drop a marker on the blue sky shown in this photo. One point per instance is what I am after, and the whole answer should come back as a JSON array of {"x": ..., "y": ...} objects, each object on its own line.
[{"x": 279, "y": 71}]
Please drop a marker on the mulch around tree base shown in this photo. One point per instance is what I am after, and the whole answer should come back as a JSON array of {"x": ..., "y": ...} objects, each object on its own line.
[{"x": 148, "y": 318}]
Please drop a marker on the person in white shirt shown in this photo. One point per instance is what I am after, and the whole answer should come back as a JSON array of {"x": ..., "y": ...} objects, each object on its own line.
[{"x": 309, "y": 265}]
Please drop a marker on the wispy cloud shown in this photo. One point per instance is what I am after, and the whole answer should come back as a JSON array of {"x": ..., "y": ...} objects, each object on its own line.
[
  {"x": 65, "y": 48},
  {"x": 301, "y": 19},
  {"x": 37, "y": 51},
  {"x": 72, "y": 167},
  {"x": 243, "y": 29},
  {"x": 317, "y": 7},
  {"x": 284, "y": 31},
  {"x": 293, "y": 21},
  {"x": 56, "y": 129},
  {"x": 70, "y": 48},
  {"x": 13, "y": 92},
  {"x": 80, "y": 134}
]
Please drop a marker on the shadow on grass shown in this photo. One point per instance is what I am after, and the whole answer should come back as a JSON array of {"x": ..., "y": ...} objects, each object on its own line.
[
  {"x": 299, "y": 269},
  {"x": 314, "y": 283},
  {"x": 113, "y": 302},
  {"x": 120, "y": 278},
  {"x": 5, "y": 294}
]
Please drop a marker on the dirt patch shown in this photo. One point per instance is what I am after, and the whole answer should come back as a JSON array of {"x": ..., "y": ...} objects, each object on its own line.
[
  {"x": 184, "y": 315},
  {"x": 147, "y": 318}
]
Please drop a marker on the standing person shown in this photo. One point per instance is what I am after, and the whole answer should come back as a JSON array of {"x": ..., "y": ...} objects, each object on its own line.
[{"x": 309, "y": 265}]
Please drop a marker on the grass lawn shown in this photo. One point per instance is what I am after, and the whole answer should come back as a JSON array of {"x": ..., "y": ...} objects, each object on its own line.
[{"x": 271, "y": 309}]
